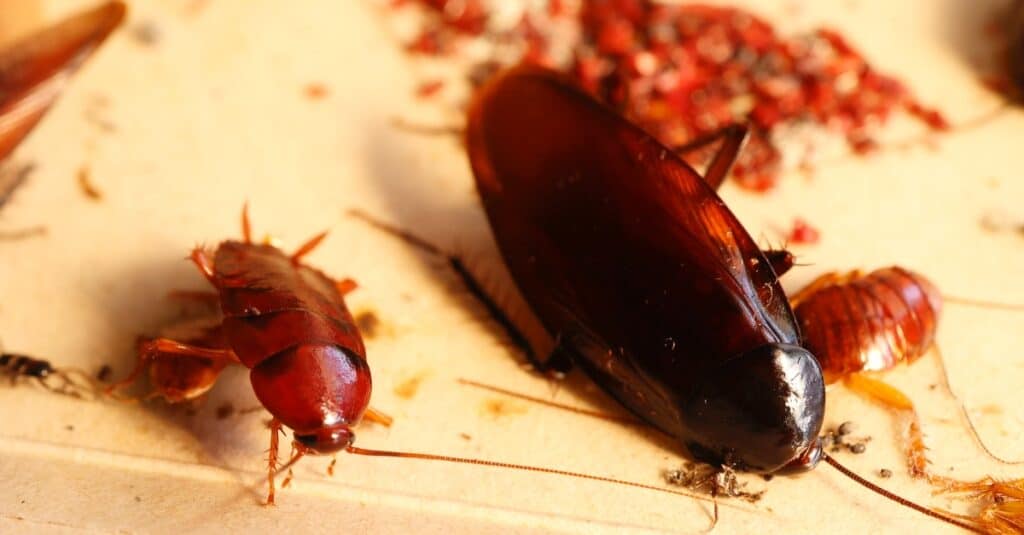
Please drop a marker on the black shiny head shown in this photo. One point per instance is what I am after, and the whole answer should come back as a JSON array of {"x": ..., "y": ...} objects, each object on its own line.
[
  {"x": 760, "y": 411},
  {"x": 327, "y": 440}
]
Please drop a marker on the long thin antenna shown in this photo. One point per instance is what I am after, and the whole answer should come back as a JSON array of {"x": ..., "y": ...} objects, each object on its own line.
[
  {"x": 898, "y": 499},
  {"x": 586, "y": 412},
  {"x": 980, "y": 303},
  {"x": 966, "y": 416},
  {"x": 464, "y": 460},
  {"x": 828, "y": 458}
]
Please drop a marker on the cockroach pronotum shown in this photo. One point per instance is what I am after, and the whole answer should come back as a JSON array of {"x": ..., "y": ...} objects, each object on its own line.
[
  {"x": 287, "y": 322},
  {"x": 34, "y": 70},
  {"x": 645, "y": 278}
]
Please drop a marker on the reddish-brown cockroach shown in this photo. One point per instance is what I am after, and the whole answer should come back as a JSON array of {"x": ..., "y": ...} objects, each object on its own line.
[
  {"x": 857, "y": 323},
  {"x": 34, "y": 70},
  {"x": 644, "y": 277},
  {"x": 287, "y": 322},
  {"x": 66, "y": 381}
]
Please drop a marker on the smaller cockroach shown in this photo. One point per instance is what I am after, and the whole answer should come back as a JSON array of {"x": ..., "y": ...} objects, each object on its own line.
[
  {"x": 287, "y": 322},
  {"x": 856, "y": 323},
  {"x": 66, "y": 381},
  {"x": 34, "y": 70}
]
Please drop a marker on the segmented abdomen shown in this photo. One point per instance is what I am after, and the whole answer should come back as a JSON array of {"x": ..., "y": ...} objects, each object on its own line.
[{"x": 869, "y": 322}]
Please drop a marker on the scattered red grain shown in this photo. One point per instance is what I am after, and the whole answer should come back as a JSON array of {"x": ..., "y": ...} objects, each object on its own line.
[
  {"x": 803, "y": 233},
  {"x": 316, "y": 91},
  {"x": 682, "y": 71},
  {"x": 429, "y": 89}
]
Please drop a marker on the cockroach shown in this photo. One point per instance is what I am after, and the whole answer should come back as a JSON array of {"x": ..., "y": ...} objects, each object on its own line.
[
  {"x": 287, "y": 322},
  {"x": 66, "y": 381},
  {"x": 34, "y": 70},
  {"x": 644, "y": 277},
  {"x": 856, "y": 323}
]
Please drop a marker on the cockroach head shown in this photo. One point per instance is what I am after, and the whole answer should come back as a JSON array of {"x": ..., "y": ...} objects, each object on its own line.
[
  {"x": 327, "y": 440},
  {"x": 759, "y": 411}
]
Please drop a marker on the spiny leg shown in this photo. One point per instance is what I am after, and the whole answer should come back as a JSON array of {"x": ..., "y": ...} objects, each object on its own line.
[
  {"x": 275, "y": 432},
  {"x": 307, "y": 247},
  {"x": 203, "y": 261},
  {"x": 1002, "y": 507},
  {"x": 246, "y": 225},
  {"x": 378, "y": 417},
  {"x": 514, "y": 334},
  {"x": 169, "y": 347},
  {"x": 733, "y": 137},
  {"x": 345, "y": 286},
  {"x": 893, "y": 399}
]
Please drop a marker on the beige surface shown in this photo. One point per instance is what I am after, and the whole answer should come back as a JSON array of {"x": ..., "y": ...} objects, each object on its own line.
[{"x": 216, "y": 114}]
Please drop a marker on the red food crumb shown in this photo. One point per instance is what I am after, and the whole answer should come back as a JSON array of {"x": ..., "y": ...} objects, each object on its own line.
[
  {"x": 316, "y": 91},
  {"x": 682, "y": 71},
  {"x": 429, "y": 89},
  {"x": 803, "y": 233}
]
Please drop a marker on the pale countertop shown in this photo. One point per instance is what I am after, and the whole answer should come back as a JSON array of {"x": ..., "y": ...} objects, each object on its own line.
[{"x": 215, "y": 114}]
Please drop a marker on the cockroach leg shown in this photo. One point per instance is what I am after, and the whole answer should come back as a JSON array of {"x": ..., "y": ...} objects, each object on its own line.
[
  {"x": 1003, "y": 510},
  {"x": 733, "y": 137},
  {"x": 345, "y": 286},
  {"x": 202, "y": 260},
  {"x": 378, "y": 417},
  {"x": 330, "y": 467},
  {"x": 894, "y": 400},
  {"x": 246, "y": 224},
  {"x": 275, "y": 439},
  {"x": 169, "y": 348},
  {"x": 298, "y": 451},
  {"x": 307, "y": 247},
  {"x": 558, "y": 363}
]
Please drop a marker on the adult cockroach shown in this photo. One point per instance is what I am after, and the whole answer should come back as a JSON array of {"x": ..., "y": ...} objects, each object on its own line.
[
  {"x": 287, "y": 322},
  {"x": 858, "y": 323},
  {"x": 34, "y": 70},
  {"x": 644, "y": 277}
]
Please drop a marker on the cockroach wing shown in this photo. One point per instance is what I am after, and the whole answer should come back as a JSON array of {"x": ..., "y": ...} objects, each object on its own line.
[
  {"x": 33, "y": 71},
  {"x": 268, "y": 303},
  {"x": 621, "y": 249}
]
